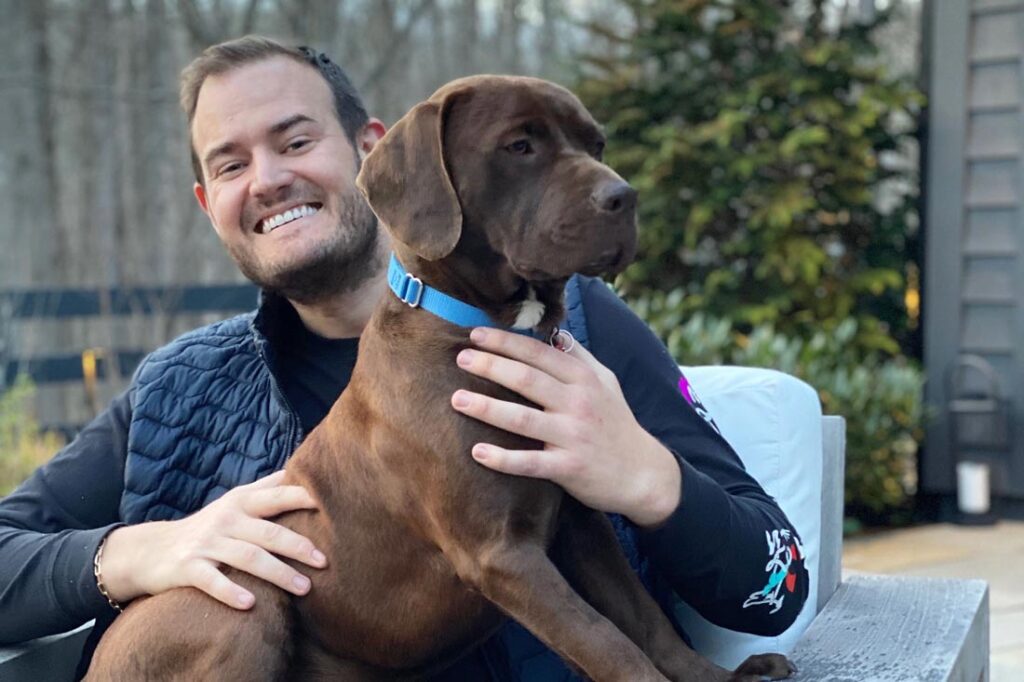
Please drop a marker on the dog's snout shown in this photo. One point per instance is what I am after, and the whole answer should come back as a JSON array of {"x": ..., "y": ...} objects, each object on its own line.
[{"x": 614, "y": 196}]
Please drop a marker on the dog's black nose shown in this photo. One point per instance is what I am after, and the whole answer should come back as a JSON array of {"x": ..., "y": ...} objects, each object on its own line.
[{"x": 614, "y": 196}]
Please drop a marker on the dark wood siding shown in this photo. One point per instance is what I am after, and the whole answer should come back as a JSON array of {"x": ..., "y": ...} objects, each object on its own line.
[{"x": 974, "y": 276}]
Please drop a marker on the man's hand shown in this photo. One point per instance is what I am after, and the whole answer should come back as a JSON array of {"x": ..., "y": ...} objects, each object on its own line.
[
  {"x": 594, "y": 447},
  {"x": 151, "y": 558}
]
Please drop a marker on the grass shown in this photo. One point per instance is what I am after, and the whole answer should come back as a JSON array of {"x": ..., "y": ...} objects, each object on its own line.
[{"x": 23, "y": 446}]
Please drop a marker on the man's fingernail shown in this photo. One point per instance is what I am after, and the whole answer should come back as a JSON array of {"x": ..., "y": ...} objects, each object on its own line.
[
  {"x": 461, "y": 399},
  {"x": 481, "y": 452},
  {"x": 301, "y": 583},
  {"x": 478, "y": 335},
  {"x": 245, "y": 600},
  {"x": 465, "y": 358},
  {"x": 319, "y": 557}
]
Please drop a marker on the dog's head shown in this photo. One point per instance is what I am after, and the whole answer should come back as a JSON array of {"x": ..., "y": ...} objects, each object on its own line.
[{"x": 494, "y": 190}]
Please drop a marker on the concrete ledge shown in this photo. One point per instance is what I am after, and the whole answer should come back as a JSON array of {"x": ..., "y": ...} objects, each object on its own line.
[
  {"x": 898, "y": 629},
  {"x": 874, "y": 629}
]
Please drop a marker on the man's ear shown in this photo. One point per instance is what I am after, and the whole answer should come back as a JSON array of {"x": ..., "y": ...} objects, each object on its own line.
[
  {"x": 200, "y": 192},
  {"x": 368, "y": 137},
  {"x": 407, "y": 185}
]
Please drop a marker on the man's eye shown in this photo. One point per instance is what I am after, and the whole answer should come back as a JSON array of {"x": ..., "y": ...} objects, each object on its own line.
[
  {"x": 521, "y": 147},
  {"x": 229, "y": 168},
  {"x": 297, "y": 144}
]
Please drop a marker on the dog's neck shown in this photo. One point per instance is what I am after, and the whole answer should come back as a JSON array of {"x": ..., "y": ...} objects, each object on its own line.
[{"x": 489, "y": 284}]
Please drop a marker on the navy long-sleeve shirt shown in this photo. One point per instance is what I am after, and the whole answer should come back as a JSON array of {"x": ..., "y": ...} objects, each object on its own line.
[{"x": 712, "y": 551}]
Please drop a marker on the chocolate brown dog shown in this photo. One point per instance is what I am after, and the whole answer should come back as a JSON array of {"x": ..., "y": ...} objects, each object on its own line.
[{"x": 494, "y": 193}]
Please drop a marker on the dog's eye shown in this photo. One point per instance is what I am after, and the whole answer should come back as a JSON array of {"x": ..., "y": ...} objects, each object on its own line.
[
  {"x": 520, "y": 147},
  {"x": 599, "y": 150}
]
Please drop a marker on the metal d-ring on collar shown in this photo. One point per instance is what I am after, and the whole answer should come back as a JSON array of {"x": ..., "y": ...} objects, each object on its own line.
[
  {"x": 413, "y": 292},
  {"x": 562, "y": 340}
]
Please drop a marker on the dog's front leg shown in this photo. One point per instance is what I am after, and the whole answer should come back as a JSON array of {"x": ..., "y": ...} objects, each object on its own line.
[
  {"x": 588, "y": 553},
  {"x": 521, "y": 580}
]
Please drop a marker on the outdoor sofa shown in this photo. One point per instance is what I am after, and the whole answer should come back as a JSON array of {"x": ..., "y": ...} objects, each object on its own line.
[{"x": 861, "y": 628}]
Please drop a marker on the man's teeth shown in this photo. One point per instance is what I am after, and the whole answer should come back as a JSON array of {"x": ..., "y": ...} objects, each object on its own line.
[{"x": 273, "y": 222}]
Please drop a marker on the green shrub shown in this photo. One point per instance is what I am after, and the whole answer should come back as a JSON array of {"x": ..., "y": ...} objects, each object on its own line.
[
  {"x": 765, "y": 144},
  {"x": 880, "y": 397},
  {"x": 23, "y": 447}
]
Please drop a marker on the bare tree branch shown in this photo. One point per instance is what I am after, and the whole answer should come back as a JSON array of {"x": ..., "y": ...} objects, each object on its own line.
[
  {"x": 467, "y": 36},
  {"x": 195, "y": 25},
  {"x": 249, "y": 17},
  {"x": 508, "y": 35},
  {"x": 399, "y": 45}
]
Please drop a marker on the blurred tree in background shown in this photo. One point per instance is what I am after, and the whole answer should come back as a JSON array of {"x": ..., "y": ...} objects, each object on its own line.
[{"x": 765, "y": 142}]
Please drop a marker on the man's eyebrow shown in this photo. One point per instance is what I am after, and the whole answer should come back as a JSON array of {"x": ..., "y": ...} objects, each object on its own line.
[
  {"x": 276, "y": 129},
  {"x": 289, "y": 122}
]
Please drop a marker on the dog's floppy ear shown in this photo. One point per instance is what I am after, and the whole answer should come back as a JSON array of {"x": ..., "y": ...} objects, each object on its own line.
[{"x": 405, "y": 180}]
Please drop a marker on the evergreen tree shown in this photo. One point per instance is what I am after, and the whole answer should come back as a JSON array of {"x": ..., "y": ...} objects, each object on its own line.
[{"x": 763, "y": 147}]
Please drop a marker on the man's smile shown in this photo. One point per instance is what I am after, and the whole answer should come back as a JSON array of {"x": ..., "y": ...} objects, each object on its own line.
[{"x": 272, "y": 222}]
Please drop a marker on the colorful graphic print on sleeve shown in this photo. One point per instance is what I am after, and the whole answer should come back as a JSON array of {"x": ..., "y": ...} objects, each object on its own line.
[
  {"x": 686, "y": 388},
  {"x": 784, "y": 565}
]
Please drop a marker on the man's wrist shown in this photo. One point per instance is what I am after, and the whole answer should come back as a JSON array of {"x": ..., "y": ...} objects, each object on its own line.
[
  {"x": 660, "y": 486},
  {"x": 117, "y": 566},
  {"x": 97, "y": 570}
]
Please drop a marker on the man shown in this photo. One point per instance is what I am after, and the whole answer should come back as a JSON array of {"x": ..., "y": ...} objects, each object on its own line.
[{"x": 171, "y": 482}]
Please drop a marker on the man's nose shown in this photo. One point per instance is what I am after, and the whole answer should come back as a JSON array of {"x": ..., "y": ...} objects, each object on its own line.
[
  {"x": 269, "y": 175},
  {"x": 614, "y": 196}
]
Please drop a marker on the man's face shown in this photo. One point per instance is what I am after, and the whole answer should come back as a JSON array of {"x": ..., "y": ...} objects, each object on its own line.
[{"x": 280, "y": 180}]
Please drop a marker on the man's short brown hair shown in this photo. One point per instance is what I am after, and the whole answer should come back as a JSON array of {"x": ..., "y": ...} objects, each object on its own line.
[{"x": 224, "y": 57}]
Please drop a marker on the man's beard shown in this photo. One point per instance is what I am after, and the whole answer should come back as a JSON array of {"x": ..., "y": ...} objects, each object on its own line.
[{"x": 338, "y": 266}]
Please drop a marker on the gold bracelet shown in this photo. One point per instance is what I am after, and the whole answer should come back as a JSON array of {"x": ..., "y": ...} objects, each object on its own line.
[{"x": 99, "y": 577}]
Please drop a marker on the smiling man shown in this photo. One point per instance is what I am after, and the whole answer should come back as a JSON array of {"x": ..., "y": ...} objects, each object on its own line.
[
  {"x": 177, "y": 477},
  {"x": 275, "y": 172}
]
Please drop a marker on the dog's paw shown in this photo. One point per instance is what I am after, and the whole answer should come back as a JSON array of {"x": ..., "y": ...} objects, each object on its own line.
[{"x": 756, "y": 668}]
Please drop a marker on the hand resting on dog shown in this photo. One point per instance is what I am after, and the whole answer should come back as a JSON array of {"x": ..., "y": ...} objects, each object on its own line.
[
  {"x": 154, "y": 557},
  {"x": 594, "y": 447}
]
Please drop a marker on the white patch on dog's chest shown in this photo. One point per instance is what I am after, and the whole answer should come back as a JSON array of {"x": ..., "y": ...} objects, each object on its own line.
[{"x": 531, "y": 311}]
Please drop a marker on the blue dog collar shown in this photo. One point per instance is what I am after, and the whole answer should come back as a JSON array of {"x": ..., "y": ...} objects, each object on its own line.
[{"x": 414, "y": 293}]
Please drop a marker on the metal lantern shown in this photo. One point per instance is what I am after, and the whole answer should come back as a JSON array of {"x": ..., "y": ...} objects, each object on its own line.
[{"x": 979, "y": 420}]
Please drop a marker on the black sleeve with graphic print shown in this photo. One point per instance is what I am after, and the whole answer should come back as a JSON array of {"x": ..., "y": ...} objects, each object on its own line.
[{"x": 728, "y": 550}]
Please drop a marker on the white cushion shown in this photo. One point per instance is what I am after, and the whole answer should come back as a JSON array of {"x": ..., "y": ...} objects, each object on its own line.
[{"x": 773, "y": 421}]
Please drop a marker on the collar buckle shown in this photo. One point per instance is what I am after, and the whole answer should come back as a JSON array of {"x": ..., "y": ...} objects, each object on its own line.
[{"x": 411, "y": 290}]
